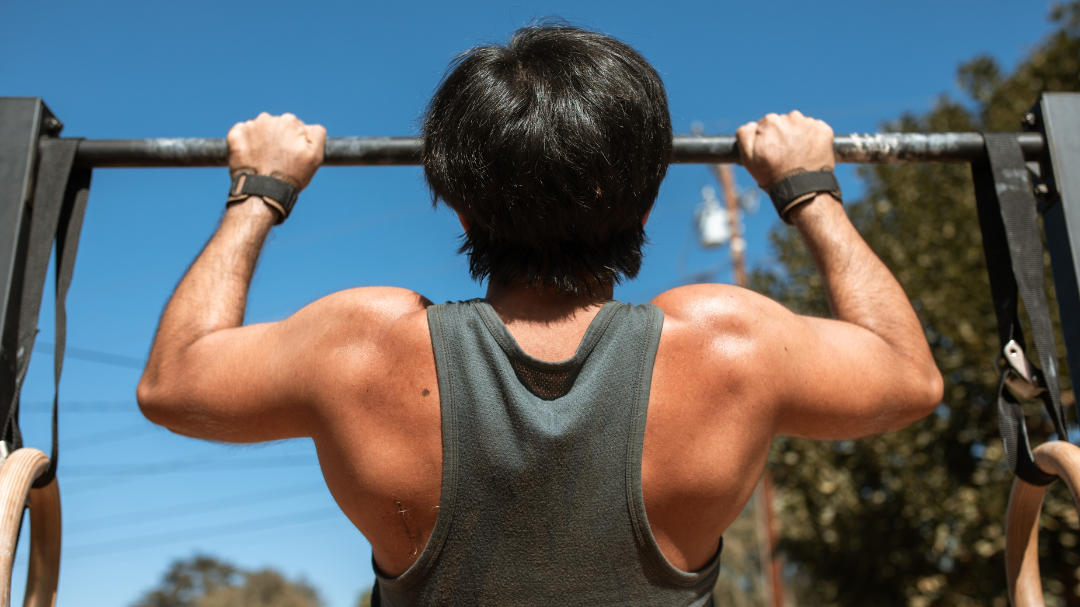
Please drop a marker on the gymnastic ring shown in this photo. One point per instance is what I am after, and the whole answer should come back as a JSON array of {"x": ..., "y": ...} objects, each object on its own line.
[
  {"x": 1022, "y": 522},
  {"x": 18, "y": 471}
]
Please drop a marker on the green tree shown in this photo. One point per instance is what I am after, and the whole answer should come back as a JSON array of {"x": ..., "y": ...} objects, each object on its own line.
[
  {"x": 916, "y": 517},
  {"x": 204, "y": 581}
]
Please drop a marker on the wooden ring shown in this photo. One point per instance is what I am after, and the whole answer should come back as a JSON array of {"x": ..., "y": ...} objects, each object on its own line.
[
  {"x": 1022, "y": 524},
  {"x": 17, "y": 473}
]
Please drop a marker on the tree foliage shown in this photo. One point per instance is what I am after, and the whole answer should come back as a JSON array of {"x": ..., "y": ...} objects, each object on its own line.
[
  {"x": 739, "y": 583},
  {"x": 916, "y": 517},
  {"x": 204, "y": 581}
]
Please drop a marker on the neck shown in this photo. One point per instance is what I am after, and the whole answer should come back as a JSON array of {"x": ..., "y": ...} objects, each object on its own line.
[{"x": 516, "y": 302}]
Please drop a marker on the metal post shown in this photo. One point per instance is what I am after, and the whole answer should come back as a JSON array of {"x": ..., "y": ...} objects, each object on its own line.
[
  {"x": 1057, "y": 117},
  {"x": 23, "y": 120}
]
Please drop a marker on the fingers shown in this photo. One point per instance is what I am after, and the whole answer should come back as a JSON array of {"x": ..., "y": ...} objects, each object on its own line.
[
  {"x": 316, "y": 135},
  {"x": 235, "y": 133},
  {"x": 780, "y": 143},
  {"x": 286, "y": 122},
  {"x": 744, "y": 137},
  {"x": 281, "y": 146}
]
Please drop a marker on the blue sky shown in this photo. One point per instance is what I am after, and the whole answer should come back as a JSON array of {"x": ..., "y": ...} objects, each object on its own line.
[{"x": 136, "y": 497}]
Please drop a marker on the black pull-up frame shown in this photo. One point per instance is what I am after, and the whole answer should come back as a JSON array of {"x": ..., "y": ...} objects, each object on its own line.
[{"x": 1050, "y": 145}]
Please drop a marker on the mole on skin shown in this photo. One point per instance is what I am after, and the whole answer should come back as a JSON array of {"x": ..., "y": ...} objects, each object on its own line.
[{"x": 426, "y": 392}]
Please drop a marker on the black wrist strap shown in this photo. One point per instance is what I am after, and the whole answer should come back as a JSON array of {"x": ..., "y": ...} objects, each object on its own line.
[
  {"x": 275, "y": 192},
  {"x": 801, "y": 187}
]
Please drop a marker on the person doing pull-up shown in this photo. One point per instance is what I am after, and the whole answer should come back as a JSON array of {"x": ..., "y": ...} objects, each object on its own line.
[{"x": 545, "y": 444}]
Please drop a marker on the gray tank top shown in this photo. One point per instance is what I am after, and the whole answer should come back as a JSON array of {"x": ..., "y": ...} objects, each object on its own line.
[{"x": 541, "y": 488}]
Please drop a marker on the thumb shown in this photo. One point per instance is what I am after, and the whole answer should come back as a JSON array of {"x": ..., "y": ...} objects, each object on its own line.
[
  {"x": 316, "y": 134},
  {"x": 745, "y": 136}
]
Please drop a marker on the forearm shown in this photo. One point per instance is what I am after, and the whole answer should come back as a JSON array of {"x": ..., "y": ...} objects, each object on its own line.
[
  {"x": 860, "y": 289},
  {"x": 213, "y": 294}
]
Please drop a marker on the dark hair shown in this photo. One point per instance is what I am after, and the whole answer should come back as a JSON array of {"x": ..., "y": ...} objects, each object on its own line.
[{"x": 554, "y": 147}]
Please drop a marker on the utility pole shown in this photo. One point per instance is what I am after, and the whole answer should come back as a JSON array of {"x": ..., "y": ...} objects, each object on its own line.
[
  {"x": 772, "y": 583},
  {"x": 726, "y": 177},
  {"x": 772, "y": 564}
]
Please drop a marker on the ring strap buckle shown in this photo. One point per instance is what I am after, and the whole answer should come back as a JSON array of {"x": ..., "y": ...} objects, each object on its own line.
[{"x": 1022, "y": 377}]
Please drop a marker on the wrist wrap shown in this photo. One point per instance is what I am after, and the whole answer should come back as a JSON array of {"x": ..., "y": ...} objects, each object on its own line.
[
  {"x": 790, "y": 191},
  {"x": 274, "y": 192}
]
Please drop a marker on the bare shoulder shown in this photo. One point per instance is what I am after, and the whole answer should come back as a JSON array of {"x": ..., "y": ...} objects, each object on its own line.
[
  {"x": 360, "y": 345},
  {"x": 356, "y": 330},
  {"x": 361, "y": 311},
  {"x": 717, "y": 311},
  {"x": 712, "y": 326}
]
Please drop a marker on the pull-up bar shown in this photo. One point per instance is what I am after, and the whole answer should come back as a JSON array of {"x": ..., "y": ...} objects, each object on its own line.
[{"x": 875, "y": 148}]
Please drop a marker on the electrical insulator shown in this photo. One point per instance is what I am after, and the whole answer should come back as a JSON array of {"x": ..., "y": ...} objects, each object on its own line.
[{"x": 713, "y": 223}]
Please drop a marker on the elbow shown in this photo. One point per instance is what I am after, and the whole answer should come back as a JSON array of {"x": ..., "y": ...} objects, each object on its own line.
[
  {"x": 930, "y": 389},
  {"x": 922, "y": 397},
  {"x": 935, "y": 388},
  {"x": 151, "y": 396}
]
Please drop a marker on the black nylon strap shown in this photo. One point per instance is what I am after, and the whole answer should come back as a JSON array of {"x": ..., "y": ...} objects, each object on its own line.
[
  {"x": 787, "y": 192},
  {"x": 274, "y": 191},
  {"x": 1014, "y": 260},
  {"x": 67, "y": 245},
  {"x": 59, "y": 202},
  {"x": 1014, "y": 436},
  {"x": 54, "y": 165}
]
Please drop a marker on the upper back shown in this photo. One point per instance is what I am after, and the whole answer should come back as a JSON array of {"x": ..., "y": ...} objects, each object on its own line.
[
  {"x": 382, "y": 446},
  {"x": 541, "y": 497}
]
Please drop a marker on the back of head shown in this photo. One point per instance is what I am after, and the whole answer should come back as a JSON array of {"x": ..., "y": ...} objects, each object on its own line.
[{"x": 553, "y": 147}]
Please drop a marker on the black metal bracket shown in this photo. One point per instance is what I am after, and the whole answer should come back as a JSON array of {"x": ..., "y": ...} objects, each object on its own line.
[
  {"x": 23, "y": 122},
  {"x": 1057, "y": 118}
]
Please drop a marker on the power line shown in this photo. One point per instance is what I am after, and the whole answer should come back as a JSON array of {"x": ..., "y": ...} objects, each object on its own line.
[
  {"x": 202, "y": 533},
  {"x": 83, "y": 406},
  {"x": 102, "y": 484},
  {"x": 85, "y": 470},
  {"x": 94, "y": 439},
  {"x": 199, "y": 507},
  {"x": 95, "y": 356}
]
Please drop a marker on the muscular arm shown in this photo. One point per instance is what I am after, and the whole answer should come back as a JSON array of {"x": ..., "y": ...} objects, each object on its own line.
[
  {"x": 866, "y": 370},
  {"x": 870, "y": 369},
  {"x": 206, "y": 371}
]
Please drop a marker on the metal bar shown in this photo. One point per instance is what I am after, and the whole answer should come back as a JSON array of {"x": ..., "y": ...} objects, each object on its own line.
[
  {"x": 873, "y": 148},
  {"x": 1057, "y": 115}
]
